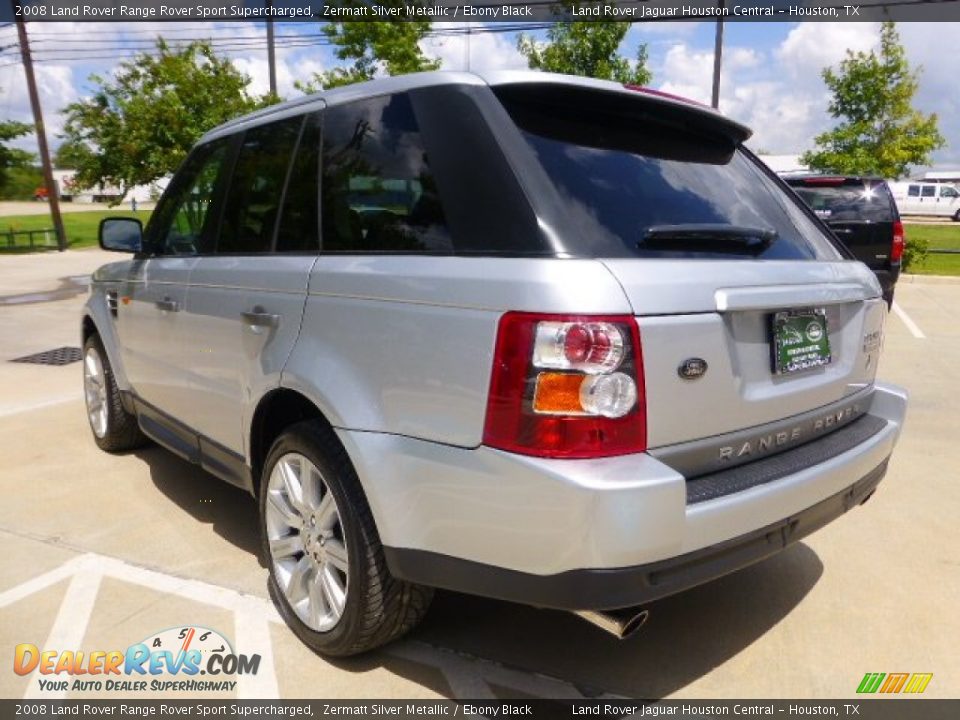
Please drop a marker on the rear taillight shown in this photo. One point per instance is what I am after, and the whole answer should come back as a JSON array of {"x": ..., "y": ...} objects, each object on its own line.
[
  {"x": 567, "y": 386},
  {"x": 896, "y": 251}
]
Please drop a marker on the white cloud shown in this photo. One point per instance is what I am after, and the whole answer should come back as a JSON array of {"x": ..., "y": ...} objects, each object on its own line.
[
  {"x": 689, "y": 72},
  {"x": 810, "y": 47},
  {"x": 487, "y": 51},
  {"x": 56, "y": 87}
]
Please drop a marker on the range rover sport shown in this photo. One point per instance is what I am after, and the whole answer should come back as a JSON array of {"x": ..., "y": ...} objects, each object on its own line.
[{"x": 539, "y": 338}]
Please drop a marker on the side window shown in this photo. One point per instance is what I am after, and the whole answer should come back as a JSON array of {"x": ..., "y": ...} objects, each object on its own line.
[
  {"x": 299, "y": 229},
  {"x": 252, "y": 205},
  {"x": 928, "y": 191},
  {"x": 913, "y": 191},
  {"x": 948, "y": 192},
  {"x": 183, "y": 218},
  {"x": 378, "y": 192}
]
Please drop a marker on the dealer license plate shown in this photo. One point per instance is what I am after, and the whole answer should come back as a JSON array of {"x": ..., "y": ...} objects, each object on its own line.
[{"x": 800, "y": 341}]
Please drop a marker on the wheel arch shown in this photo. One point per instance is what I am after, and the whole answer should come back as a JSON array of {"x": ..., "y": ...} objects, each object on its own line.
[
  {"x": 276, "y": 411},
  {"x": 88, "y": 327}
]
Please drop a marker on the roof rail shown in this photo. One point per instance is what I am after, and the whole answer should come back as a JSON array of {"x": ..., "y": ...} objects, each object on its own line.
[{"x": 271, "y": 109}]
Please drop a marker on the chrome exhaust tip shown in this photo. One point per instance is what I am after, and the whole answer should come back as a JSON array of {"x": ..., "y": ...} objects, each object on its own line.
[{"x": 619, "y": 623}]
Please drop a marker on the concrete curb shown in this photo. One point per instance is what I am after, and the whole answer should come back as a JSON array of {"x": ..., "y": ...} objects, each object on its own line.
[{"x": 930, "y": 279}]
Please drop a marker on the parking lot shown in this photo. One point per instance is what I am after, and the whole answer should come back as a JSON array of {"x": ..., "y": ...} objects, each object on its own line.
[{"x": 102, "y": 551}]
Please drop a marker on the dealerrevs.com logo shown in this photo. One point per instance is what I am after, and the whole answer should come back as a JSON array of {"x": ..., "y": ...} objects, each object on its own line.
[{"x": 168, "y": 661}]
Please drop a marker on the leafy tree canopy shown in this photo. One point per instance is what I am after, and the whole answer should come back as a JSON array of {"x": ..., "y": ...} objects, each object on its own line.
[
  {"x": 586, "y": 48},
  {"x": 880, "y": 133},
  {"x": 140, "y": 123},
  {"x": 12, "y": 157},
  {"x": 372, "y": 47}
]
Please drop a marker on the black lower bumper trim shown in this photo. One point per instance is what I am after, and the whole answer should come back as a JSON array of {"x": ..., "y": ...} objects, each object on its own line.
[{"x": 608, "y": 588}]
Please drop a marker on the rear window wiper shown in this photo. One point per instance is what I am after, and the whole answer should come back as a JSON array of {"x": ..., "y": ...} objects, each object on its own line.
[{"x": 708, "y": 238}]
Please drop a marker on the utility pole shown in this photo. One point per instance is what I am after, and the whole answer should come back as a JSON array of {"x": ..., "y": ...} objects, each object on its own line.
[
  {"x": 53, "y": 193},
  {"x": 271, "y": 55},
  {"x": 717, "y": 58}
]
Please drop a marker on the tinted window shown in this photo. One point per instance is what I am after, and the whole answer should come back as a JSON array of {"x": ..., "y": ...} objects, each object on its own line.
[
  {"x": 378, "y": 192},
  {"x": 928, "y": 191},
  {"x": 252, "y": 205},
  {"x": 858, "y": 201},
  {"x": 623, "y": 171},
  {"x": 949, "y": 192},
  {"x": 182, "y": 223},
  {"x": 299, "y": 222},
  {"x": 913, "y": 191}
]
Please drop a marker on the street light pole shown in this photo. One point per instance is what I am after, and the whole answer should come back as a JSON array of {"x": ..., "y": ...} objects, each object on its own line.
[
  {"x": 53, "y": 193},
  {"x": 271, "y": 52},
  {"x": 717, "y": 57}
]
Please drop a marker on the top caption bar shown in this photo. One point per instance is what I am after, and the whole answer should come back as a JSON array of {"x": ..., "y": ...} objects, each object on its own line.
[{"x": 482, "y": 11}]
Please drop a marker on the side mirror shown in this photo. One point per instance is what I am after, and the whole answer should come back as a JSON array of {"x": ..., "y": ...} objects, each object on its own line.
[{"x": 120, "y": 234}]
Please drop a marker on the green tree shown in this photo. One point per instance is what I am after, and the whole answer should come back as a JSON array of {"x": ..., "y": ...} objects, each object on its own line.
[
  {"x": 140, "y": 123},
  {"x": 372, "y": 47},
  {"x": 880, "y": 132},
  {"x": 11, "y": 157},
  {"x": 587, "y": 48}
]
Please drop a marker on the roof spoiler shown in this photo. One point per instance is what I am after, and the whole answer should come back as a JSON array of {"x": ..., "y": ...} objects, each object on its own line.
[{"x": 706, "y": 116}]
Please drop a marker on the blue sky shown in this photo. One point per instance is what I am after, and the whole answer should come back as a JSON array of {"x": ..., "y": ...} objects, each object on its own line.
[{"x": 771, "y": 78}]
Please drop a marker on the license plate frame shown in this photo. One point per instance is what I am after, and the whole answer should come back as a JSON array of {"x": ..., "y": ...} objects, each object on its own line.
[{"x": 799, "y": 341}]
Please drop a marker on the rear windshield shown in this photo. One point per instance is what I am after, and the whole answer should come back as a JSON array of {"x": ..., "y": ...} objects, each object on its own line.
[
  {"x": 629, "y": 172},
  {"x": 849, "y": 201}
]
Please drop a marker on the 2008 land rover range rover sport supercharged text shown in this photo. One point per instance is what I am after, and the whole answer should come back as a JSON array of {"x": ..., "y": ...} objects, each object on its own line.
[{"x": 538, "y": 338}]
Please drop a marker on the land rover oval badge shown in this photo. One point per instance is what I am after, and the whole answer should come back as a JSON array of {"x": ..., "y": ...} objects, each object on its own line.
[{"x": 692, "y": 368}]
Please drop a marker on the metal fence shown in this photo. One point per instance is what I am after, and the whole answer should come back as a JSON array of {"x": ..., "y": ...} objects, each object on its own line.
[{"x": 35, "y": 238}]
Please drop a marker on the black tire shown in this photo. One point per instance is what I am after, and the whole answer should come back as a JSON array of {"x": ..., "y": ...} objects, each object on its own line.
[
  {"x": 378, "y": 608},
  {"x": 956, "y": 216},
  {"x": 122, "y": 429}
]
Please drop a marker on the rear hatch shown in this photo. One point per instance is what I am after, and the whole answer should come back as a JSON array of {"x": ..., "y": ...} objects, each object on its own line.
[
  {"x": 861, "y": 213},
  {"x": 724, "y": 268}
]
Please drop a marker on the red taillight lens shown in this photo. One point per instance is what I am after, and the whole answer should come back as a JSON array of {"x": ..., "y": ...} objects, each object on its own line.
[
  {"x": 896, "y": 251},
  {"x": 567, "y": 387}
]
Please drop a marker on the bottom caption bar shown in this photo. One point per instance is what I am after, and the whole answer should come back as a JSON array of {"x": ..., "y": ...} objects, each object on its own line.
[{"x": 862, "y": 709}]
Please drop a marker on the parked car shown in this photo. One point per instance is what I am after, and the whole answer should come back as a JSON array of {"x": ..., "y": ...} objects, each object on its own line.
[
  {"x": 924, "y": 198},
  {"x": 862, "y": 214},
  {"x": 533, "y": 337}
]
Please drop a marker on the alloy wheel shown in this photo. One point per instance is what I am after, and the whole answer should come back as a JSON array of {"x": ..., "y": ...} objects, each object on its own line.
[
  {"x": 306, "y": 540},
  {"x": 95, "y": 392}
]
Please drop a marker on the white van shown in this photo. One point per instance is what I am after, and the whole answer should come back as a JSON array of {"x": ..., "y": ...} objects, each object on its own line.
[{"x": 925, "y": 198}]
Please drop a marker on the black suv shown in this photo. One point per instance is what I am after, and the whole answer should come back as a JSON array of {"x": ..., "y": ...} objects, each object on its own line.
[{"x": 862, "y": 214}]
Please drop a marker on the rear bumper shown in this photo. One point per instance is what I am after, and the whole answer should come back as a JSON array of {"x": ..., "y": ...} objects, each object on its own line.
[
  {"x": 612, "y": 532},
  {"x": 606, "y": 589}
]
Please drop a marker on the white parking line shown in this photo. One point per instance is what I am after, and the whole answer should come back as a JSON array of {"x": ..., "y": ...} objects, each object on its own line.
[
  {"x": 911, "y": 325},
  {"x": 467, "y": 676},
  {"x": 68, "y": 628}
]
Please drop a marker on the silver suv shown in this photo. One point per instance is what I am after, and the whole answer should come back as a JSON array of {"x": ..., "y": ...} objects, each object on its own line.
[{"x": 538, "y": 338}]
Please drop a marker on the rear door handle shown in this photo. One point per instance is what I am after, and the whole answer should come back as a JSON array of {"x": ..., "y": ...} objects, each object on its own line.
[
  {"x": 259, "y": 318},
  {"x": 168, "y": 305}
]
